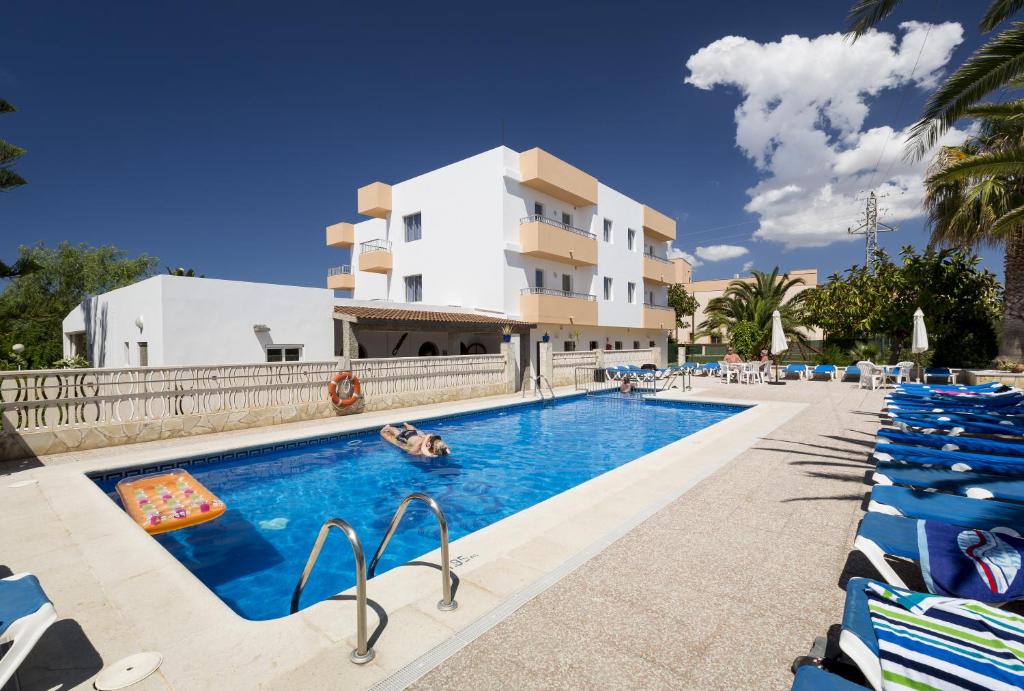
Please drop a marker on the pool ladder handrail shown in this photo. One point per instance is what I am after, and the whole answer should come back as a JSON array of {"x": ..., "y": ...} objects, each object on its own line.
[
  {"x": 362, "y": 653},
  {"x": 447, "y": 603},
  {"x": 541, "y": 377}
]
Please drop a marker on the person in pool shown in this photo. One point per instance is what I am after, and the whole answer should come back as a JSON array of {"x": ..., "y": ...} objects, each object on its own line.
[{"x": 415, "y": 442}]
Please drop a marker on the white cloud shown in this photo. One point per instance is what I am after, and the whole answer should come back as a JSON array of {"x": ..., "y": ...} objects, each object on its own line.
[
  {"x": 718, "y": 253},
  {"x": 801, "y": 118},
  {"x": 675, "y": 252},
  {"x": 747, "y": 266}
]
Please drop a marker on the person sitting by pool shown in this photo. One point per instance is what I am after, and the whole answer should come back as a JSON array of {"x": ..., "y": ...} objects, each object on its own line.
[
  {"x": 732, "y": 358},
  {"x": 415, "y": 442},
  {"x": 764, "y": 357}
]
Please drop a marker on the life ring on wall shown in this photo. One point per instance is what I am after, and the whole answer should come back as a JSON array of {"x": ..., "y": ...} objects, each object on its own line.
[{"x": 356, "y": 389}]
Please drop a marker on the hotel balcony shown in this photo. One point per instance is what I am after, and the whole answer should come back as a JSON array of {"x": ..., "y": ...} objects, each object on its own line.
[
  {"x": 341, "y": 235},
  {"x": 551, "y": 239},
  {"x": 548, "y": 306},
  {"x": 659, "y": 317},
  {"x": 542, "y": 171},
  {"x": 375, "y": 256},
  {"x": 341, "y": 278},
  {"x": 658, "y": 270},
  {"x": 374, "y": 200},
  {"x": 658, "y": 226}
]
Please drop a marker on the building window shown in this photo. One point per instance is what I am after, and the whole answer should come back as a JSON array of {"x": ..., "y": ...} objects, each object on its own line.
[
  {"x": 538, "y": 209},
  {"x": 631, "y": 293},
  {"x": 651, "y": 344},
  {"x": 566, "y": 283},
  {"x": 636, "y": 345},
  {"x": 607, "y": 288},
  {"x": 538, "y": 278},
  {"x": 570, "y": 346},
  {"x": 143, "y": 353},
  {"x": 413, "y": 227},
  {"x": 428, "y": 349},
  {"x": 284, "y": 353},
  {"x": 650, "y": 297},
  {"x": 607, "y": 230},
  {"x": 567, "y": 218},
  {"x": 414, "y": 288},
  {"x": 631, "y": 240},
  {"x": 593, "y": 345},
  {"x": 618, "y": 345}
]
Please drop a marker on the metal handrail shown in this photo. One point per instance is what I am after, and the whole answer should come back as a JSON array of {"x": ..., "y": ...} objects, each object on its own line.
[
  {"x": 657, "y": 258},
  {"x": 362, "y": 654},
  {"x": 446, "y": 603},
  {"x": 540, "y": 390},
  {"x": 651, "y": 305},
  {"x": 560, "y": 293},
  {"x": 557, "y": 224},
  {"x": 342, "y": 270},
  {"x": 375, "y": 246}
]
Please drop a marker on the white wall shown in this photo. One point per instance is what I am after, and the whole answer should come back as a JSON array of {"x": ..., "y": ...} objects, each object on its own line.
[
  {"x": 204, "y": 321},
  {"x": 614, "y": 259}
]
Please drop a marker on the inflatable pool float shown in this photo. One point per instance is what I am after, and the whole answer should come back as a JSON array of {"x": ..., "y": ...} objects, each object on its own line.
[{"x": 168, "y": 501}]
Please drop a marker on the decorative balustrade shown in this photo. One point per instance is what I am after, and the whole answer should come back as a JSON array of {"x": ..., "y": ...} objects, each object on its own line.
[
  {"x": 564, "y": 364},
  {"x": 387, "y": 376},
  {"x": 613, "y": 358},
  {"x": 37, "y": 400}
]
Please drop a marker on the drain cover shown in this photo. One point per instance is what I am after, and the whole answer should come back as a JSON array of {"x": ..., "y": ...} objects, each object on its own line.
[{"x": 127, "y": 671}]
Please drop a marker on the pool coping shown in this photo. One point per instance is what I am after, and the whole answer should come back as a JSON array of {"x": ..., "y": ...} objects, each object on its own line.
[{"x": 502, "y": 565}]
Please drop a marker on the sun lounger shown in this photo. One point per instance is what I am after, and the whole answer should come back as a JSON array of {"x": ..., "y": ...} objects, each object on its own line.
[
  {"x": 830, "y": 371},
  {"x": 1012, "y": 466},
  {"x": 811, "y": 678},
  {"x": 852, "y": 371},
  {"x": 942, "y": 373},
  {"x": 799, "y": 370},
  {"x": 984, "y": 514},
  {"x": 915, "y": 389},
  {"x": 901, "y": 639},
  {"x": 955, "y": 425},
  {"x": 967, "y": 483},
  {"x": 1000, "y": 402},
  {"x": 25, "y": 614},
  {"x": 710, "y": 368},
  {"x": 948, "y": 442}
]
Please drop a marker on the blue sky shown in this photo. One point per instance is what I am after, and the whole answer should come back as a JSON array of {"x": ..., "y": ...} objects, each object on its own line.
[{"x": 224, "y": 136}]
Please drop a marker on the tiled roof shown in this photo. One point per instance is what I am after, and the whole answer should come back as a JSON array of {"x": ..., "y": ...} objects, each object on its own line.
[{"x": 396, "y": 314}]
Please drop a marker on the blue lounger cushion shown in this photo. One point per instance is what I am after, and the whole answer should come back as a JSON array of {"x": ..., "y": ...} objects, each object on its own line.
[
  {"x": 938, "y": 441},
  {"x": 983, "y": 401},
  {"x": 19, "y": 598},
  {"x": 967, "y": 483},
  {"x": 811, "y": 678},
  {"x": 1012, "y": 466},
  {"x": 983, "y": 514},
  {"x": 958, "y": 424},
  {"x": 895, "y": 535}
]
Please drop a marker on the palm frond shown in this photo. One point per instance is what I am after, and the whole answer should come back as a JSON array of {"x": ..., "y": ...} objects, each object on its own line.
[
  {"x": 999, "y": 11},
  {"x": 867, "y": 14},
  {"x": 992, "y": 66},
  {"x": 1006, "y": 162},
  {"x": 1009, "y": 223}
]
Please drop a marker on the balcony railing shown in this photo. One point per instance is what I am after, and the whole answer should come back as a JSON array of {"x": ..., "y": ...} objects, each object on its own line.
[
  {"x": 559, "y": 293},
  {"x": 652, "y": 306},
  {"x": 374, "y": 246},
  {"x": 658, "y": 259},
  {"x": 557, "y": 224},
  {"x": 342, "y": 270}
]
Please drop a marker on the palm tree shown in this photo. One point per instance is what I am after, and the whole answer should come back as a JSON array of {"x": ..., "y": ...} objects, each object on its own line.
[
  {"x": 753, "y": 301},
  {"x": 973, "y": 199},
  {"x": 9, "y": 153}
]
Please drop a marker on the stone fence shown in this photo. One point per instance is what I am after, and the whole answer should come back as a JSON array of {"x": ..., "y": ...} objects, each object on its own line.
[
  {"x": 52, "y": 411},
  {"x": 642, "y": 356},
  {"x": 564, "y": 364}
]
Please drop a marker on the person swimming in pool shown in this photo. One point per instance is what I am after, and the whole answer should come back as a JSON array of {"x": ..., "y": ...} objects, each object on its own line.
[{"x": 415, "y": 442}]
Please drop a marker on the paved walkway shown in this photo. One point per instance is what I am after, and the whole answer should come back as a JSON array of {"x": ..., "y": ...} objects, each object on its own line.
[{"x": 719, "y": 590}]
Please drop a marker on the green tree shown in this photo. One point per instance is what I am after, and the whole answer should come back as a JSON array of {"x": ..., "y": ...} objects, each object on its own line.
[
  {"x": 749, "y": 339},
  {"x": 684, "y": 304},
  {"x": 754, "y": 301},
  {"x": 33, "y": 305},
  {"x": 9, "y": 153}
]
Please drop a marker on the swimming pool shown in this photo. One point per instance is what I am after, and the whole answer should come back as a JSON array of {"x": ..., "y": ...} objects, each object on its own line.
[{"x": 503, "y": 461}]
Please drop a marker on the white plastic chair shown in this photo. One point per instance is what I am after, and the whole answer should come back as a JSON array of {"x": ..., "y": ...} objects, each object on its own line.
[
  {"x": 901, "y": 374},
  {"x": 871, "y": 375},
  {"x": 728, "y": 371},
  {"x": 750, "y": 372},
  {"x": 23, "y": 633}
]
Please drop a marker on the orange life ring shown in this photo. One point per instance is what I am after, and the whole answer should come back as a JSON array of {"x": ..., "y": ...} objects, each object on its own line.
[{"x": 332, "y": 389}]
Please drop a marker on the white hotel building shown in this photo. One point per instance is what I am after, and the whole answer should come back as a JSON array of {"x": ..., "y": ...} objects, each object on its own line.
[{"x": 521, "y": 235}]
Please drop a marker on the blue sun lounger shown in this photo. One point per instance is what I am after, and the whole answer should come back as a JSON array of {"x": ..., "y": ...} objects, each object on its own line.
[
  {"x": 811, "y": 678},
  {"x": 25, "y": 614},
  {"x": 944, "y": 373},
  {"x": 829, "y": 371},
  {"x": 711, "y": 368},
  {"x": 1012, "y": 466},
  {"x": 994, "y": 402},
  {"x": 957, "y": 424},
  {"x": 929, "y": 389},
  {"x": 792, "y": 368},
  {"x": 851, "y": 371},
  {"x": 967, "y": 483},
  {"x": 984, "y": 514},
  {"x": 947, "y": 442},
  {"x": 901, "y": 639}
]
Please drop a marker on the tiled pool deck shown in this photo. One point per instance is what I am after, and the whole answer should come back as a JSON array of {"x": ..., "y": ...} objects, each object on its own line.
[{"x": 719, "y": 589}]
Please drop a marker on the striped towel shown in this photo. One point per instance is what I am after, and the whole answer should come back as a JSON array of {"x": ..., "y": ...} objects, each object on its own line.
[{"x": 934, "y": 642}]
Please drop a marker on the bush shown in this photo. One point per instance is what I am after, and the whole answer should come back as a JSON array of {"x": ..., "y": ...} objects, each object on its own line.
[
  {"x": 864, "y": 351},
  {"x": 831, "y": 355},
  {"x": 747, "y": 339}
]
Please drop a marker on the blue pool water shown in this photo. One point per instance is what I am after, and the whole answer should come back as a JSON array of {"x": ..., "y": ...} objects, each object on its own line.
[{"x": 503, "y": 461}]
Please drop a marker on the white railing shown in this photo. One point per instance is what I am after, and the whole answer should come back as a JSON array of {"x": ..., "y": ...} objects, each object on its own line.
[
  {"x": 642, "y": 356},
  {"x": 564, "y": 365},
  {"x": 385, "y": 376},
  {"x": 37, "y": 400}
]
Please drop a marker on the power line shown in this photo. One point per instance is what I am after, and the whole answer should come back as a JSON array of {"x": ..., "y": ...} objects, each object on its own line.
[{"x": 870, "y": 229}]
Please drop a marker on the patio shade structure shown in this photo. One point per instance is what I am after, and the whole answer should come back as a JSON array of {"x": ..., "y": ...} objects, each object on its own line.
[
  {"x": 779, "y": 344},
  {"x": 919, "y": 337}
]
